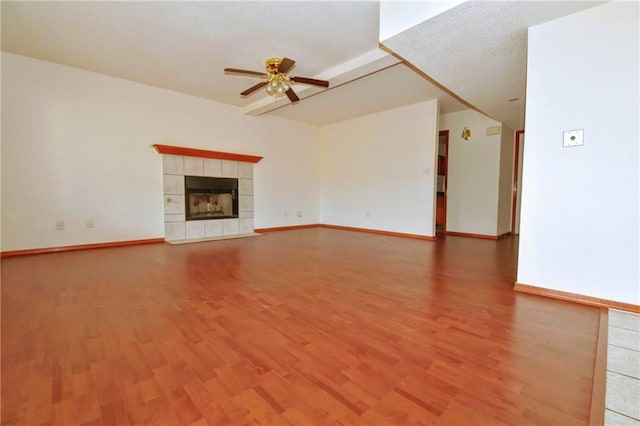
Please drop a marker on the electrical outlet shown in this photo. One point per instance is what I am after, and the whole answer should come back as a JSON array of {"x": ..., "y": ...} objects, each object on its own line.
[
  {"x": 299, "y": 213},
  {"x": 60, "y": 225},
  {"x": 286, "y": 213},
  {"x": 367, "y": 215},
  {"x": 573, "y": 138},
  {"x": 91, "y": 224}
]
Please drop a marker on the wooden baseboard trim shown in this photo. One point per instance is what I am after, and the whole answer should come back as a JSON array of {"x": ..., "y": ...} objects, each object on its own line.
[
  {"x": 27, "y": 252},
  {"x": 599, "y": 387},
  {"x": 482, "y": 236},
  {"x": 346, "y": 228},
  {"x": 576, "y": 298},
  {"x": 378, "y": 232},
  {"x": 285, "y": 228}
]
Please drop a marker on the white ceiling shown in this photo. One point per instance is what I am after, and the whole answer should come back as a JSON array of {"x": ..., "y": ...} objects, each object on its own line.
[{"x": 184, "y": 46}]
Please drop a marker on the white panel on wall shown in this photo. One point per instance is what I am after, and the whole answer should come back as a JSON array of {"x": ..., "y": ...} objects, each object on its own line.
[
  {"x": 174, "y": 204},
  {"x": 245, "y": 186},
  {"x": 174, "y": 217},
  {"x": 229, "y": 169},
  {"x": 245, "y": 203},
  {"x": 245, "y": 170},
  {"x": 172, "y": 165},
  {"x": 193, "y": 166},
  {"x": 212, "y": 167},
  {"x": 213, "y": 228},
  {"x": 579, "y": 218},
  {"x": 174, "y": 231},
  {"x": 173, "y": 184},
  {"x": 230, "y": 226},
  {"x": 195, "y": 229},
  {"x": 246, "y": 226}
]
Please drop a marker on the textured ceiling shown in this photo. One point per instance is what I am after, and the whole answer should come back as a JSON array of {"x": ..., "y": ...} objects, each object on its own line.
[
  {"x": 477, "y": 50},
  {"x": 184, "y": 46},
  {"x": 393, "y": 87}
]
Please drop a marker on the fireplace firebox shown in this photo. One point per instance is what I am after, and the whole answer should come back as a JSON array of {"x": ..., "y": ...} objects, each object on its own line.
[{"x": 210, "y": 198}]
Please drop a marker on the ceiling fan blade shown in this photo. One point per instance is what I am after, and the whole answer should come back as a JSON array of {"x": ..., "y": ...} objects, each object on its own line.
[
  {"x": 312, "y": 81},
  {"x": 286, "y": 65},
  {"x": 292, "y": 95},
  {"x": 254, "y": 88},
  {"x": 245, "y": 72}
]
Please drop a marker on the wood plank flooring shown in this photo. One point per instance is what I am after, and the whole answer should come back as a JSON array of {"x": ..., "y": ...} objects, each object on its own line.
[{"x": 313, "y": 326}]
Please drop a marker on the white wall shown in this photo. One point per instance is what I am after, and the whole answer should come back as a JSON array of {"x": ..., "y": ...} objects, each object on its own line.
[
  {"x": 579, "y": 225},
  {"x": 373, "y": 170},
  {"x": 473, "y": 173},
  {"x": 76, "y": 146},
  {"x": 505, "y": 183}
]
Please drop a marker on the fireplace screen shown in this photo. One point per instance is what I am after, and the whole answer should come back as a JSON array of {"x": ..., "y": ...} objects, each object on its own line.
[
  {"x": 210, "y": 198},
  {"x": 201, "y": 205}
]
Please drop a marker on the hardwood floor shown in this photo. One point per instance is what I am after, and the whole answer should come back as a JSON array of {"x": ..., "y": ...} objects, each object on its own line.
[{"x": 313, "y": 326}]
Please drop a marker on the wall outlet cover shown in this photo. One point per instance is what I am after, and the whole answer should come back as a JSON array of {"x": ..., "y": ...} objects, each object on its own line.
[{"x": 573, "y": 138}]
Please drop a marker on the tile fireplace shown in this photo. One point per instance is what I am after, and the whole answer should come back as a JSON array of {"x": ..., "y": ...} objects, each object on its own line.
[{"x": 207, "y": 194}]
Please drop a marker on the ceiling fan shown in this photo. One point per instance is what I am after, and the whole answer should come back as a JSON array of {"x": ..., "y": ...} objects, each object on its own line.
[{"x": 278, "y": 81}]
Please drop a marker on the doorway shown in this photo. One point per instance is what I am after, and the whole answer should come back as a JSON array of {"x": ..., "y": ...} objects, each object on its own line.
[
  {"x": 441, "y": 183},
  {"x": 517, "y": 182}
]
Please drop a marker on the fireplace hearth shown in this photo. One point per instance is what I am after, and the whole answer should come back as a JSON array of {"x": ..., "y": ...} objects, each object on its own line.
[{"x": 210, "y": 198}]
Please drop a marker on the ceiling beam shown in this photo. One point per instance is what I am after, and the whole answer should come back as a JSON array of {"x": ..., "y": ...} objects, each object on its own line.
[{"x": 345, "y": 72}]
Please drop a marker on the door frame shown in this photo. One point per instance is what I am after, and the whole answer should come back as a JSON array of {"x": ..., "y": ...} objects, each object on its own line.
[
  {"x": 444, "y": 133},
  {"x": 516, "y": 171}
]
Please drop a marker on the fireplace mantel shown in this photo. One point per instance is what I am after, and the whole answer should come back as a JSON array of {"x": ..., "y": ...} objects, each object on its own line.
[{"x": 203, "y": 153}]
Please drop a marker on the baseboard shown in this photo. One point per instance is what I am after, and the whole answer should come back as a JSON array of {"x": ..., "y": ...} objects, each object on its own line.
[
  {"x": 378, "y": 232},
  {"x": 599, "y": 386},
  {"x": 346, "y": 228},
  {"x": 482, "y": 236},
  {"x": 285, "y": 228},
  {"x": 576, "y": 298},
  {"x": 80, "y": 247}
]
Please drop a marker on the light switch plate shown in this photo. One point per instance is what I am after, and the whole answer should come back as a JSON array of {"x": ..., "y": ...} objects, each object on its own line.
[
  {"x": 573, "y": 138},
  {"x": 493, "y": 130}
]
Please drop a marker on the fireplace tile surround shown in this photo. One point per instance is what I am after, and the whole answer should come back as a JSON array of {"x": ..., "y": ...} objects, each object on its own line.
[{"x": 176, "y": 167}]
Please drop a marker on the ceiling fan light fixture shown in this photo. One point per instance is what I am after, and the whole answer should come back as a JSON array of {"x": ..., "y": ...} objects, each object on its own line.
[
  {"x": 272, "y": 87},
  {"x": 280, "y": 91},
  {"x": 277, "y": 86},
  {"x": 277, "y": 81}
]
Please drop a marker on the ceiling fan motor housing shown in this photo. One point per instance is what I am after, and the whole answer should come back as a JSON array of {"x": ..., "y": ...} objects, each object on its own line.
[{"x": 272, "y": 65}]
